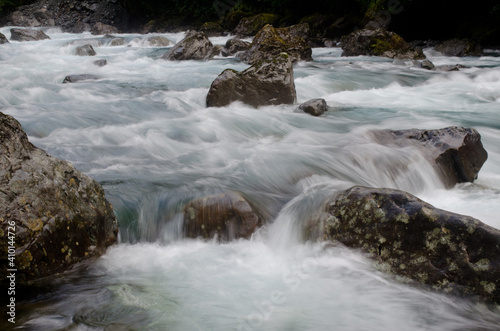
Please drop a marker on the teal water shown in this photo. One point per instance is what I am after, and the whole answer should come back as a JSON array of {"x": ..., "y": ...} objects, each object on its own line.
[{"x": 143, "y": 131}]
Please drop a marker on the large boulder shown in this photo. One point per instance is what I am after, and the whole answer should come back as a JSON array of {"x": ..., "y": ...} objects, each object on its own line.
[
  {"x": 27, "y": 35},
  {"x": 227, "y": 216},
  {"x": 379, "y": 42},
  {"x": 234, "y": 46},
  {"x": 195, "y": 46},
  {"x": 102, "y": 29},
  {"x": 56, "y": 215},
  {"x": 270, "y": 42},
  {"x": 456, "y": 152},
  {"x": 459, "y": 47},
  {"x": 249, "y": 26},
  {"x": 408, "y": 237},
  {"x": 3, "y": 39},
  {"x": 268, "y": 82}
]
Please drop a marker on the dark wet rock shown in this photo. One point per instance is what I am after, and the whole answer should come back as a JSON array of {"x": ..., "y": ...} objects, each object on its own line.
[
  {"x": 233, "y": 18},
  {"x": 100, "y": 28},
  {"x": 249, "y": 26},
  {"x": 60, "y": 215},
  {"x": 216, "y": 51},
  {"x": 379, "y": 42},
  {"x": 456, "y": 152},
  {"x": 195, "y": 46},
  {"x": 410, "y": 238},
  {"x": 459, "y": 47},
  {"x": 234, "y": 46},
  {"x": 3, "y": 39},
  {"x": 100, "y": 63},
  {"x": 78, "y": 78},
  {"x": 270, "y": 42},
  {"x": 450, "y": 67},
  {"x": 158, "y": 41},
  {"x": 426, "y": 64},
  {"x": 226, "y": 215},
  {"x": 212, "y": 29},
  {"x": 27, "y": 35},
  {"x": 268, "y": 82},
  {"x": 315, "y": 107},
  {"x": 85, "y": 50}
]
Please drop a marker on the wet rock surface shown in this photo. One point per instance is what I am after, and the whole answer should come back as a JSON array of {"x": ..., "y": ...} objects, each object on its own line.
[
  {"x": 60, "y": 215},
  {"x": 3, "y": 39},
  {"x": 249, "y": 26},
  {"x": 408, "y": 237},
  {"x": 459, "y": 47},
  {"x": 27, "y": 35},
  {"x": 268, "y": 82},
  {"x": 456, "y": 152},
  {"x": 227, "y": 216},
  {"x": 195, "y": 46},
  {"x": 315, "y": 107}
]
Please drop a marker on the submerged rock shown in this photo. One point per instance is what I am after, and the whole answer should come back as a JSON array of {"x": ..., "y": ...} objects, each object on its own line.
[
  {"x": 27, "y": 35},
  {"x": 408, "y": 237},
  {"x": 195, "y": 46},
  {"x": 158, "y": 41},
  {"x": 226, "y": 215},
  {"x": 459, "y": 47},
  {"x": 379, "y": 42},
  {"x": 249, "y": 26},
  {"x": 315, "y": 107},
  {"x": 60, "y": 215},
  {"x": 3, "y": 39},
  {"x": 77, "y": 78},
  {"x": 456, "y": 152},
  {"x": 85, "y": 50},
  {"x": 268, "y": 82},
  {"x": 270, "y": 42},
  {"x": 100, "y": 63}
]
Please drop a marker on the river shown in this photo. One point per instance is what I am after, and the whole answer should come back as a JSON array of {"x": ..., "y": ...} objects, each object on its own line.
[{"x": 143, "y": 131}]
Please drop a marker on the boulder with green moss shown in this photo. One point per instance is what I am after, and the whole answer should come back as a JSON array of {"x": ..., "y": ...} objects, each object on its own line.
[
  {"x": 410, "y": 238},
  {"x": 249, "y": 26},
  {"x": 270, "y": 41},
  {"x": 379, "y": 42},
  {"x": 50, "y": 213},
  {"x": 267, "y": 82}
]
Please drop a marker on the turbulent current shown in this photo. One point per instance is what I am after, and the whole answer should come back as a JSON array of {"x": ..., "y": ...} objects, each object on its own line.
[{"x": 143, "y": 131}]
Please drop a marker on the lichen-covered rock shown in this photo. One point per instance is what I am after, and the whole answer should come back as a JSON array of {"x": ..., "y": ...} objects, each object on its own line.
[
  {"x": 85, "y": 50},
  {"x": 195, "y": 46},
  {"x": 234, "y": 46},
  {"x": 456, "y": 152},
  {"x": 268, "y": 82},
  {"x": 411, "y": 238},
  {"x": 226, "y": 215},
  {"x": 100, "y": 28},
  {"x": 249, "y": 26},
  {"x": 59, "y": 215},
  {"x": 379, "y": 42},
  {"x": 270, "y": 42},
  {"x": 27, "y": 35},
  {"x": 459, "y": 47},
  {"x": 315, "y": 107},
  {"x": 3, "y": 39},
  {"x": 78, "y": 78}
]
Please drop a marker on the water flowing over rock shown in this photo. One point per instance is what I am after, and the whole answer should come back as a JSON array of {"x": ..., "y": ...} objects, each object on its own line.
[
  {"x": 226, "y": 215},
  {"x": 234, "y": 46},
  {"x": 411, "y": 238},
  {"x": 158, "y": 41},
  {"x": 3, "y": 39},
  {"x": 249, "y": 26},
  {"x": 85, "y": 50},
  {"x": 195, "y": 46},
  {"x": 78, "y": 78},
  {"x": 61, "y": 216},
  {"x": 315, "y": 107},
  {"x": 379, "y": 42},
  {"x": 457, "y": 152},
  {"x": 459, "y": 47},
  {"x": 268, "y": 82},
  {"x": 270, "y": 42},
  {"x": 27, "y": 35}
]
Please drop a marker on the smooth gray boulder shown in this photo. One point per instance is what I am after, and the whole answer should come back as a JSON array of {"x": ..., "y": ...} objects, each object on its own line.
[
  {"x": 195, "y": 46},
  {"x": 59, "y": 215},
  {"x": 268, "y": 82},
  {"x": 85, "y": 50},
  {"x": 27, "y": 35},
  {"x": 315, "y": 107}
]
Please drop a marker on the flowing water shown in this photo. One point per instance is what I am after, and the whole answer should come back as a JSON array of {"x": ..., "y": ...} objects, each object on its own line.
[{"x": 143, "y": 131}]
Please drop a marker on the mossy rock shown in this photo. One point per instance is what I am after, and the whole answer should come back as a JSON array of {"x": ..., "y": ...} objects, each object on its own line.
[{"x": 249, "y": 26}]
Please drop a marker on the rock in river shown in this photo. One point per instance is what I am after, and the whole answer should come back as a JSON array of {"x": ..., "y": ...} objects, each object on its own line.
[
  {"x": 195, "y": 46},
  {"x": 268, "y": 82},
  {"x": 27, "y": 35},
  {"x": 59, "y": 215}
]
